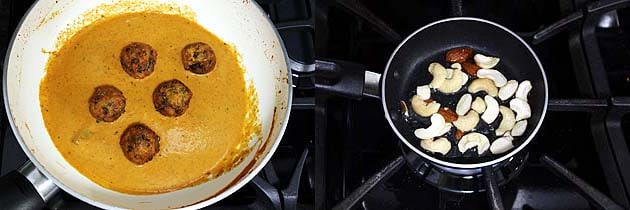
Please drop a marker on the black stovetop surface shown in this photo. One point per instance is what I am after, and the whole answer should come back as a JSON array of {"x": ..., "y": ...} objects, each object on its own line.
[{"x": 349, "y": 141}]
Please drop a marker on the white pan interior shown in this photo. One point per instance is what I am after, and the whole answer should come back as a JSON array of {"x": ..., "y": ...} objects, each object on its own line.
[{"x": 238, "y": 22}]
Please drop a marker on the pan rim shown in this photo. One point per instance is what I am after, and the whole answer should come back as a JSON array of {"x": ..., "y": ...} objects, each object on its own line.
[
  {"x": 195, "y": 205},
  {"x": 462, "y": 165}
]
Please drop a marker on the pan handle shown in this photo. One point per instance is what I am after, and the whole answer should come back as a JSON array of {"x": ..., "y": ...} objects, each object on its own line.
[
  {"x": 594, "y": 8},
  {"x": 346, "y": 79},
  {"x": 26, "y": 188}
]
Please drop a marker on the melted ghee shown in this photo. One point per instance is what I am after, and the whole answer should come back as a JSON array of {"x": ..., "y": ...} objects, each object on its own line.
[{"x": 209, "y": 139}]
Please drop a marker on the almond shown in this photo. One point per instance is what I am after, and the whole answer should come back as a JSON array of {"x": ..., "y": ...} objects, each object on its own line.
[
  {"x": 458, "y": 55},
  {"x": 459, "y": 134},
  {"x": 470, "y": 68},
  {"x": 449, "y": 115}
]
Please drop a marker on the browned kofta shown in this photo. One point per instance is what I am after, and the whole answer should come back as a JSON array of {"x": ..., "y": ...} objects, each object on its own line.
[
  {"x": 138, "y": 59},
  {"x": 107, "y": 103},
  {"x": 198, "y": 58},
  {"x": 171, "y": 98},
  {"x": 139, "y": 143}
]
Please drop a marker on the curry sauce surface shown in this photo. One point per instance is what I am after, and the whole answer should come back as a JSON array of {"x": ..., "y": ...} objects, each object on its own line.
[{"x": 210, "y": 138}]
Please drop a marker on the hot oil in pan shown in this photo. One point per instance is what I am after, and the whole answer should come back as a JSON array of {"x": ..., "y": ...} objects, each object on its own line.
[
  {"x": 211, "y": 137},
  {"x": 421, "y": 76}
]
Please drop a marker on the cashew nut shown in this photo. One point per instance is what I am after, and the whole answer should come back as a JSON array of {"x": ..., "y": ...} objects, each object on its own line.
[
  {"x": 485, "y": 62},
  {"x": 497, "y": 77},
  {"x": 523, "y": 90},
  {"x": 521, "y": 107},
  {"x": 508, "y": 90},
  {"x": 441, "y": 145},
  {"x": 472, "y": 140},
  {"x": 519, "y": 128},
  {"x": 508, "y": 121},
  {"x": 456, "y": 66},
  {"x": 478, "y": 105},
  {"x": 483, "y": 84},
  {"x": 455, "y": 83},
  {"x": 435, "y": 129},
  {"x": 463, "y": 105},
  {"x": 492, "y": 110},
  {"x": 449, "y": 73},
  {"x": 422, "y": 108},
  {"x": 465, "y": 77},
  {"x": 424, "y": 92},
  {"x": 501, "y": 145},
  {"x": 446, "y": 129},
  {"x": 439, "y": 75},
  {"x": 467, "y": 122}
]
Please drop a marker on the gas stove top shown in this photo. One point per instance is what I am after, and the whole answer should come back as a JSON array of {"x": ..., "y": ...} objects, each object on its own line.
[{"x": 340, "y": 153}]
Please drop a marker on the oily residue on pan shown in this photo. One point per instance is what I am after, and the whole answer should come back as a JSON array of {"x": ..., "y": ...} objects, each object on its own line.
[
  {"x": 50, "y": 16},
  {"x": 117, "y": 7},
  {"x": 212, "y": 137},
  {"x": 268, "y": 139},
  {"x": 28, "y": 129},
  {"x": 56, "y": 9}
]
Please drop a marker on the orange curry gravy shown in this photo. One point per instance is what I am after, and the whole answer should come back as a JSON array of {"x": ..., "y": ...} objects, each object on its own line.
[{"x": 210, "y": 138}]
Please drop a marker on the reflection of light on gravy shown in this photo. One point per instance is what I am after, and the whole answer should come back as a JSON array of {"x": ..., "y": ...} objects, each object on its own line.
[
  {"x": 183, "y": 142},
  {"x": 206, "y": 141}
]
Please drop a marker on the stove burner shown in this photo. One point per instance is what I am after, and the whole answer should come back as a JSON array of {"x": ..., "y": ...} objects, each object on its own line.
[{"x": 462, "y": 180}]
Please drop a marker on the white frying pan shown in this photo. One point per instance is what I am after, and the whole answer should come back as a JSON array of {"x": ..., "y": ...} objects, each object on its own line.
[{"x": 241, "y": 23}]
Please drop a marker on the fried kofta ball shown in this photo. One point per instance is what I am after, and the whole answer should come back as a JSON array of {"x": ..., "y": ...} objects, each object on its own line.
[
  {"x": 139, "y": 143},
  {"x": 138, "y": 59},
  {"x": 171, "y": 98},
  {"x": 107, "y": 103},
  {"x": 198, "y": 58}
]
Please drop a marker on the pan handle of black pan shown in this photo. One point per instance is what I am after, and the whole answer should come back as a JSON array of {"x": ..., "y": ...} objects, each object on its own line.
[
  {"x": 25, "y": 188},
  {"x": 595, "y": 8},
  {"x": 346, "y": 79}
]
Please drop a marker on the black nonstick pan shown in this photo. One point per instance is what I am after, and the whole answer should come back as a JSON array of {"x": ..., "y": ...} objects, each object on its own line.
[{"x": 407, "y": 68}]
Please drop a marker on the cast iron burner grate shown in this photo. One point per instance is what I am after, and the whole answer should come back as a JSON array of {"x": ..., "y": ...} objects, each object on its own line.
[{"x": 460, "y": 180}]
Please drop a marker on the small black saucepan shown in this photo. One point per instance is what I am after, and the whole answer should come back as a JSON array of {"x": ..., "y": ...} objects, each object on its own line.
[{"x": 407, "y": 68}]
